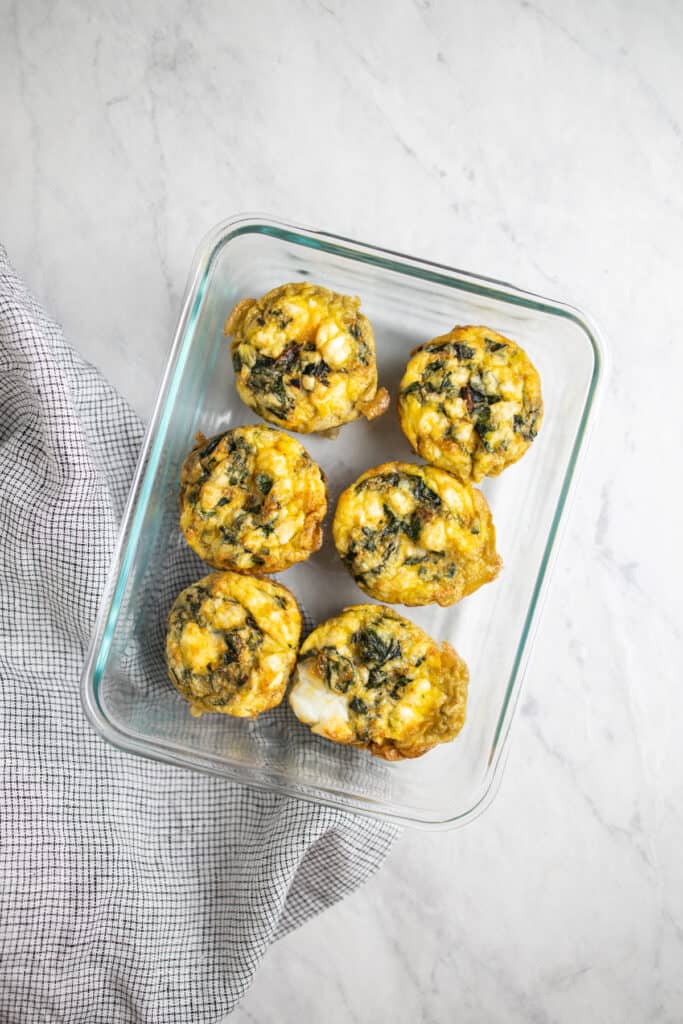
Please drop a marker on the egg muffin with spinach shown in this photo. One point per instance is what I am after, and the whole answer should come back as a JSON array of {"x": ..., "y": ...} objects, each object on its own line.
[
  {"x": 373, "y": 679},
  {"x": 252, "y": 499},
  {"x": 304, "y": 358},
  {"x": 415, "y": 535},
  {"x": 232, "y": 643},
  {"x": 470, "y": 402}
]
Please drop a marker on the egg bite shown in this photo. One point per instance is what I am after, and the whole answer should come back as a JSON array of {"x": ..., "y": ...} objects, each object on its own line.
[
  {"x": 232, "y": 643},
  {"x": 470, "y": 402},
  {"x": 415, "y": 535},
  {"x": 304, "y": 358},
  {"x": 373, "y": 679},
  {"x": 252, "y": 499}
]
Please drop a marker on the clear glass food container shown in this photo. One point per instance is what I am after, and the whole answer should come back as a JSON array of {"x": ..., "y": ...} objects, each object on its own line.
[{"x": 125, "y": 691}]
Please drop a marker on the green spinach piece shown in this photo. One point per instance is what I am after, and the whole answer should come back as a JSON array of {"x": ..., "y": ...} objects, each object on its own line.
[
  {"x": 319, "y": 370},
  {"x": 526, "y": 426},
  {"x": 338, "y": 669},
  {"x": 210, "y": 446},
  {"x": 412, "y": 527},
  {"x": 374, "y": 648},
  {"x": 413, "y": 388},
  {"x": 425, "y": 495},
  {"x": 494, "y": 346},
  {"x": 264, "y": 483}
]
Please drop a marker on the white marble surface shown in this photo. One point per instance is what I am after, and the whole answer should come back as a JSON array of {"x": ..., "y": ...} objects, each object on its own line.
[{"x": 540, "y": 142}]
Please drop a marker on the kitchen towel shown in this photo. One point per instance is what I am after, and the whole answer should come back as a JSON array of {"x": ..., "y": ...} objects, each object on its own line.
[{"x": 132, "y": 893}]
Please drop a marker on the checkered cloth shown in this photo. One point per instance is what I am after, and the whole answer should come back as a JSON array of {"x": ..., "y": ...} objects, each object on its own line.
[{"x": 131, "y": 892}]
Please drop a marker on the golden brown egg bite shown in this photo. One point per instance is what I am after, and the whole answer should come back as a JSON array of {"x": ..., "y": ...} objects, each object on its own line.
[
  {"x": 232, "y": 643},
  {"x": 304, "y": 358},
  {"x": 252, "y": 499},
  {"x": 470, "y": 402},
  {"x": 415, "y": 535},
  {"x": 373, "y": 679}
]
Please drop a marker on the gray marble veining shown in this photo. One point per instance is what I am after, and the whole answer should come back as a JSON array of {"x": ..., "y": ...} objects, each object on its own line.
[{"x": 539, "y": 142}]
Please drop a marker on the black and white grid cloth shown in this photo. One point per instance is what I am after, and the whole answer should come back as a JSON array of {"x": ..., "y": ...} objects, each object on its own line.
[{"x": 131, "y": 893}]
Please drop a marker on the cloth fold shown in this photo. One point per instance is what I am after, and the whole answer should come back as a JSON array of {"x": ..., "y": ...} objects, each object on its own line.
[{"x": 133, "y": 893}]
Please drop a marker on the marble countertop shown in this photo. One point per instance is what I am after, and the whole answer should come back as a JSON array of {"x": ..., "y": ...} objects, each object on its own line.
[{"x": 537, "y": 142}]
